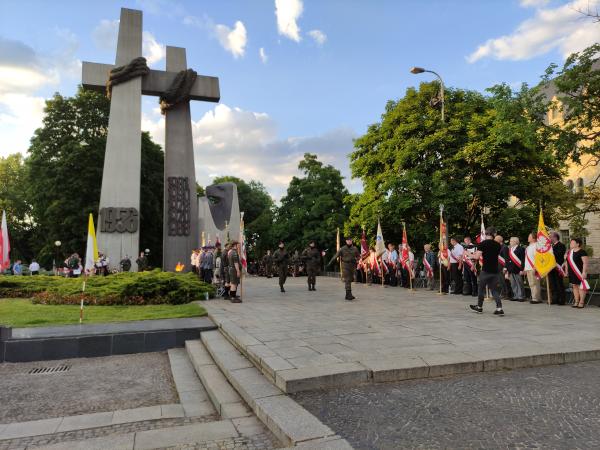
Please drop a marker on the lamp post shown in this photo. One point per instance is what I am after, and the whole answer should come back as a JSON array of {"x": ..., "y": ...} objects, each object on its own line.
[
  {"x": 57, "y": 245},
  {"x": 417, "y": 70}
]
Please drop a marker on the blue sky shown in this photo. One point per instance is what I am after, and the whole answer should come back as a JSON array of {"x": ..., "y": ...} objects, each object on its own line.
[{"x": 295, "y": 75}]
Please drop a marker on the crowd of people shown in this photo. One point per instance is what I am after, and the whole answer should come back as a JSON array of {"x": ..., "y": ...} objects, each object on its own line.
[{"x": 478, "y": 269}]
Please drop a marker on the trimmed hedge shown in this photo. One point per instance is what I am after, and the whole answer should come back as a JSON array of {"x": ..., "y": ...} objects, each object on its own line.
[{"x": 128, "y": 288}]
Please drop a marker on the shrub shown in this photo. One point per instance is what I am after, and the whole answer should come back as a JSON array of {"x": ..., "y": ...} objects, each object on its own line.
[{"x": 137, "y": 288}]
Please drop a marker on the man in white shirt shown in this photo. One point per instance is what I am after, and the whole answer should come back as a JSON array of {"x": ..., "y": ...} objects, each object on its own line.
[
  {"x": 456, "y": 255},
  {"x": 532, "y": 279},
  {"x": 34, "y": 267}
]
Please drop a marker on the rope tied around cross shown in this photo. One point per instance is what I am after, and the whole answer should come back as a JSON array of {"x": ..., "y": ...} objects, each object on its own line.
[
  {"x": 137, "y": 67},
  {"x": 178, "y": 91}
]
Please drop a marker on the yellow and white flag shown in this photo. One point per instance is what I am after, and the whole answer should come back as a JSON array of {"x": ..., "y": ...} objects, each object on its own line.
[
  {"x": 544, "y": 256},
  {"x": 91, "y": 250}
]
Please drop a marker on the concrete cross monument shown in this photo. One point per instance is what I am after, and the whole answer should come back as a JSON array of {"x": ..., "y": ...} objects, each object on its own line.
[{"x": 118, "y": 223}]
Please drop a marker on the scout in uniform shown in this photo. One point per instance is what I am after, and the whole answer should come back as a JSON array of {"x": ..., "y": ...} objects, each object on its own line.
[
  {"x": 235, "y": 271},
  {"x": 349, "y": 255}
]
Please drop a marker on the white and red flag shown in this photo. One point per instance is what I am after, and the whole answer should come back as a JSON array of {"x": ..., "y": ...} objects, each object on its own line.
[
  {"x": 4, "y": 244},
  {"x": 243, "y": 258}
]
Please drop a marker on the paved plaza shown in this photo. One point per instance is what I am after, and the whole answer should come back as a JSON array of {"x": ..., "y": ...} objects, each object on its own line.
[
  {"x": 555, "y": 407},
  {"x": 307, "y": 340}
]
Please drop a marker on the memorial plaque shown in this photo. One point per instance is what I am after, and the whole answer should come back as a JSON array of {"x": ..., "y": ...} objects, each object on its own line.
[
  {"x": 178, "y": 213},
  {"x": 119, "y": 220}
]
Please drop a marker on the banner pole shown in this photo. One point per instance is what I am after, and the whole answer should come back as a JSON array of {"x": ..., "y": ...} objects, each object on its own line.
[{"x": 548, "y": 290}]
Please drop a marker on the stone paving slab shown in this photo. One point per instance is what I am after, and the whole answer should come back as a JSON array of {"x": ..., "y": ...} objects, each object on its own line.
[
  {"x": 115, "y": 442},
  {"x": 393, "y": 334},
  {"x": 187, "y": 434},
  {"x": 32, "y": 428}
]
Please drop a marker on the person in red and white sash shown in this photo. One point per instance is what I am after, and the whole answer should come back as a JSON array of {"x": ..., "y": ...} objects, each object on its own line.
[
  {"x": 503, "y": 273},
  {"x": 532, "y": 275},
  {"x": 469, "y": 267},
  {"x": 577, "y": 264},
  {"x": 556, "y": 275},
  {"x": 429, "y": 265},
  {"x": 455, "y": 254},
  {"x": 515, "y": 268}
]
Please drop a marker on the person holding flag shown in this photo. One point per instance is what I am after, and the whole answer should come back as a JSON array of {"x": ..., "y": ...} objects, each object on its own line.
[
  {"x": 557, "y": 274},
  {"x": 544, "y": 258},
  {"x": 515, "y": 265},
  {"x": 429, "y": 264},
  {"x": 443, "y": 257},
  {"x": 363, "y": 263},
  {"x": 469, "y": 267},
  {"x": 577, "y": 263},
  {"x": 533, "y": 277}
]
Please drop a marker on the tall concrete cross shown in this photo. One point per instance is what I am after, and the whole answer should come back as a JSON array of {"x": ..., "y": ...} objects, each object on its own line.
[{"x": 118, "y": 223}]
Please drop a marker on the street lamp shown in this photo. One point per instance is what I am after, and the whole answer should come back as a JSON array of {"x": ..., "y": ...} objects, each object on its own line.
[
  {"x": 417, "y": 70},
  {"x": 57, "y": 244}
]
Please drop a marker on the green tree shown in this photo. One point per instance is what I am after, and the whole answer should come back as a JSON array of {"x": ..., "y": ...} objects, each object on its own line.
[
  {"x": 65, "y": 165},
  {"x": 313, "y": 207},
  {"x": 13, "y": 200},
  {"x": 484, "y": 154},
  {"x": 258, "y": 208}
]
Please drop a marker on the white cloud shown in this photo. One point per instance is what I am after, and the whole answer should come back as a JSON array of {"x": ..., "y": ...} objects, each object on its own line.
[
  {"x": 288, "y": 12},
  {"x": 152, "y": 50},
  {"x": 232, "y": 141},
  {"x": 105, "y": 37},
  {"x": 23, "y": 72},
  {"x": 533, "y": 3},
  {"x": 234, "y": 41},
  {"x": 318, "y": 36},
  {"x": 562, "y": 28},
  {"x": 263, "y": 55}
]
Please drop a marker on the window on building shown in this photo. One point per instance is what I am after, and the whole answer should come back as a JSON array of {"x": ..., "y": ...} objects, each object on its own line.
[{"x": 565, "y": 236}]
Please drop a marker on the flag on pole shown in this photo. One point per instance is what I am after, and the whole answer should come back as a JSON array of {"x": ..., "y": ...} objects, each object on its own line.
[
  {"x": 544, "y": 256},
  {"x": 379, "y": 243},
  {"x": 4, "y": 244},
  {"x": 364, "y": 247},
  {"x": 337, "y": 241},
  {"x": 405, "y": 256},
  {"x": 243, "y": 243},
  {"x": 481, "y": 236},
  {"x": 91, "y": 250},
  {"x": 443, "y": 243}
]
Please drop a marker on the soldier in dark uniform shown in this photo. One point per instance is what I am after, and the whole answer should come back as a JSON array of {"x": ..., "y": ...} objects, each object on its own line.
[
  {"x": 235, "y": 271},
  {"x": 349, "y": 255},
  {"x": 225, "y": 266},
  {"x": 268, "y": 262},
  {"x": 311, "y": 257},
  {"x": 282, "y": 258}
]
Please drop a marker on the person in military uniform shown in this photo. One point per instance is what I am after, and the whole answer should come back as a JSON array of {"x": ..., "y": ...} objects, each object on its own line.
[
  {"x": 225, "y": 266},
  {"x": 311, "y": 257},
  {"x": 268, "y": 263},
  {"x": 282, "y": 259},
  {"x": 349, "y": 255},
  {"x": 142, "y": 262},
  {"x": 235, "y": 271}
]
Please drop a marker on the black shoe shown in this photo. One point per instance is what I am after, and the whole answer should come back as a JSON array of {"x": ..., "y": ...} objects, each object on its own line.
[
  {"x": 521, "y": 300},
  {"x": 314, "y": 288},
  {"x": 282, "y": 289},
  {"x": 534, "y": 302},
  {"x": 476, "y": 308},
  {"x": 499, "y": 312},
  {"x": 309, "y": 287},
  {"x": 236, "y": 299},
  {"x": 513, "y": 299}
]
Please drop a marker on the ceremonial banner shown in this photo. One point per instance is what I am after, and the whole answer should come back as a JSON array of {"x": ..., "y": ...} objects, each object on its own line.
[
  {"x": 443, "y": 243},
  {"x": 4, "y": 244},
  {"x": 91, "y": 250},
  {"x": 379, "y": 243},
  {"x": 544, "y": 256}
]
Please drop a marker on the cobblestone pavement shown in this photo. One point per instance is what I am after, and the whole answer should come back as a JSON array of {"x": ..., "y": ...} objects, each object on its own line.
[
  {"x": 91, "y": 385},
  {"x": 555, "y": 407},
  {"x": 90, "y": 433},
  {"x": 257, "y": 442}
]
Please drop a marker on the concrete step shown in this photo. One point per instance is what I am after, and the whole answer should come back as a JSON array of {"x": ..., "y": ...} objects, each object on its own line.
[
  {"x": 224, "y": 397},
  {"x": 192, "y": 395},
  {"x": 286, "y": 419}
]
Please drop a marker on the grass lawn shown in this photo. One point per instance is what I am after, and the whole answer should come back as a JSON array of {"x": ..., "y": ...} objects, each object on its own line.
[{"x": 22, "y": 313}]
